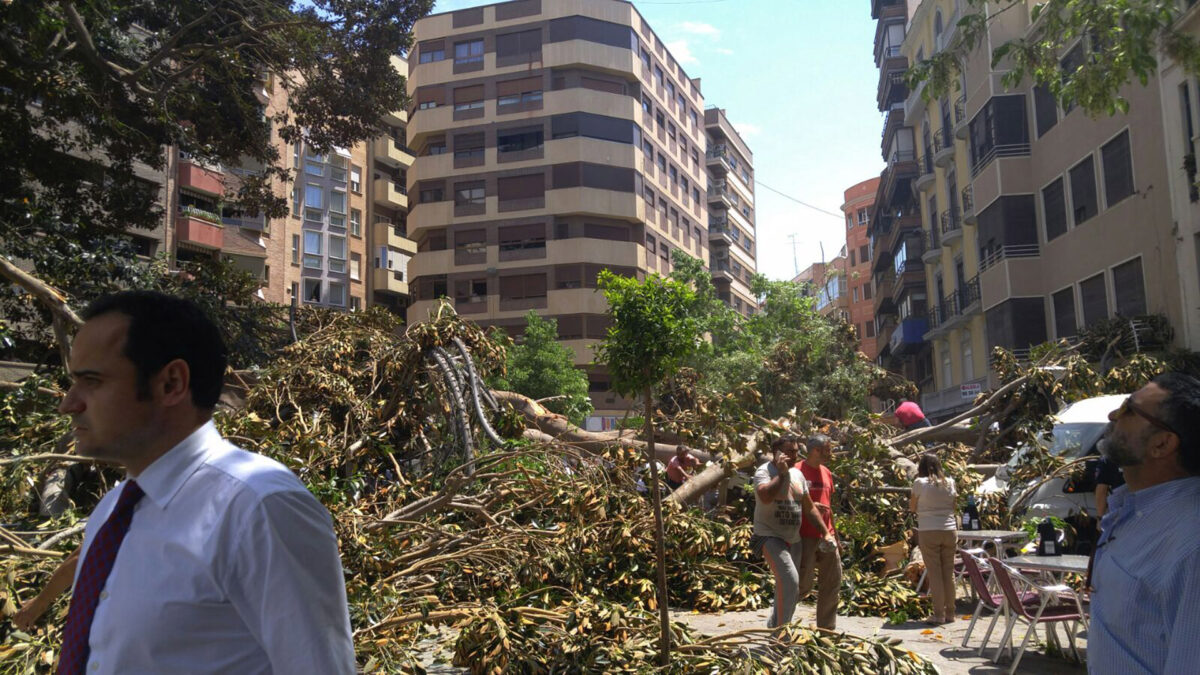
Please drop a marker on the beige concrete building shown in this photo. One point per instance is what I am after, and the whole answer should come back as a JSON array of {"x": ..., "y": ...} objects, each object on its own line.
[
  {"x": 1179, "y": 94},
  {"x": 731, "y": 233},
  {"x": 553, "y": 140},
  {"x": 1037, "y": 220}
]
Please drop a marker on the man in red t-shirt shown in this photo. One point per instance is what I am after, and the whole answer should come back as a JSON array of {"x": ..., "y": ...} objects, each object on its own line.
[
  {"x": 679, "y": 469},
  {"x": 813, "y": 558}
]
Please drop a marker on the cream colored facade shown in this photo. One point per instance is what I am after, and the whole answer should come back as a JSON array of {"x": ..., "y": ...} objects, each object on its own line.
[
  {"x": 552, "y": 140},
  {"x": 731, "y": 231},
  {"x": 1179, "y": 92},
  {"x": 1038, "y": 221}
]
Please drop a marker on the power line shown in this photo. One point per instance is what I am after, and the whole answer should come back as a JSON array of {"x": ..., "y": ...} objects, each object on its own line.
[
  {"x": 839, "y": 216},
  {"x": 678, "y": 2}
]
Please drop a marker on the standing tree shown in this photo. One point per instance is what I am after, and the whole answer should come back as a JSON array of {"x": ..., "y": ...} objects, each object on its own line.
[
  {"x": 541, "y": 368},
  {"x": 92, "y": 89},
  {"x": 653, "y": 332}
]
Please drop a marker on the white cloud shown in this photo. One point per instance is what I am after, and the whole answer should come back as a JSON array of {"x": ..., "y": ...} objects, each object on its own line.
[
  {"x": 699, "y": 28},
  {"x": 723, "y": 51},
  {"x": 747, "y": 129},
  {"x": 682, "y": 52}
]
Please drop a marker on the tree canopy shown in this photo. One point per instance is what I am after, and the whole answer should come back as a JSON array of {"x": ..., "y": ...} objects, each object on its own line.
[
  {"x": 541, "y": 368},
  {"x": 1123, "y": 41},
  {"x": 93, "y": 91}
]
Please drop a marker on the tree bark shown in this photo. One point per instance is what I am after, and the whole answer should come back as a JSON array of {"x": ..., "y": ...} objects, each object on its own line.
[{"x": 660, "y": 549}]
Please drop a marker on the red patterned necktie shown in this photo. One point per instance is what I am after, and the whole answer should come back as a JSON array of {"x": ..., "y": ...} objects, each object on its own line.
[{"x": 101, "y": 555}]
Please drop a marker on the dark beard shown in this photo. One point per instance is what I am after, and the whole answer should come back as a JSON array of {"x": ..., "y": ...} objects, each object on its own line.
[{"x": 1117, "y": 452}]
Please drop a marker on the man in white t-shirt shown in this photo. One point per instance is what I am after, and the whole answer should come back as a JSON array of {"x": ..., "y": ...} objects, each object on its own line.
[{"x": 780, "y": 500}]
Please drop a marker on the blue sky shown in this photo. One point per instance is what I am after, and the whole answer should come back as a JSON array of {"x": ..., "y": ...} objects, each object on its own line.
[{"x": 797, "y": 78}]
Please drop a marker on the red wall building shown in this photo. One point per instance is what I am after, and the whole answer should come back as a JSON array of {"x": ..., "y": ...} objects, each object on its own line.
[{"x": 860, "y": 200}]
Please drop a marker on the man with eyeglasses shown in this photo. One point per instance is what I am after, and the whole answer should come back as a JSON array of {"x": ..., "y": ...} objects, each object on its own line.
[{"x": 1146, "y": 573}]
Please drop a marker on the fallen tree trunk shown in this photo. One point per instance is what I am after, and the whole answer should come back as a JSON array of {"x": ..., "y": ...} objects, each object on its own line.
[{"x": 552, "y": 427}]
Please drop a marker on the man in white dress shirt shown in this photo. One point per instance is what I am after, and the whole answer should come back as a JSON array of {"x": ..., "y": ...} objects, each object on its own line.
[{"x": 227, "y": 564}]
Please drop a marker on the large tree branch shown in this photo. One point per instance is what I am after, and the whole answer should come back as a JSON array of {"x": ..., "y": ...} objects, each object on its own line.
[{"x": 88, "y": 49}]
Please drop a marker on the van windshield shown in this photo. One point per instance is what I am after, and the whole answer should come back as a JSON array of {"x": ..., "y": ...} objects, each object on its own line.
[{"x": 1069, "y": 440}]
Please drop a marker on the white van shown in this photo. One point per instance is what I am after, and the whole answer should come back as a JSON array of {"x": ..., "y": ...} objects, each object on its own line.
[{"x": 1077, "y": 429}]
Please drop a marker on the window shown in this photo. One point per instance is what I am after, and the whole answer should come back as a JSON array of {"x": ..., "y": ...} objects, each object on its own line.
[
  {"x": 696, "y": 195},
  {"x": 295, "y": 249},
  {"x": 1128, "y": 289},
  {"x": 468, "y": 147},
  {"x": 852, "y": 264},
  {"x": 867, "y": 292},
  {"x": 428, "y": 195},
  {"x": 647, "y": 107},
  {"x": 674, "y": 173},
  {"x": 432, "y": 51},
  {"x": 864, "y": 255},
  {"x": 337, "y": 294},
  {"x": 1118, "y": 169},
  {"x": 1065, "y": 325},
  {"x": 662, "y": 162},
  {"x": 468, "y": 52},
  {"x": 522, "y": 238},
  {"x": 312, "y": 168},
  {"x": 312, "y": 290},
  {"x": 870, "y": 326},
  {"x": 436, "y": 147},
  {"x": 313, "y": 196},
  {"x": 670, "y": 92},
  {"x": 1054, "y": 209},
  {"x": 947, "y": 375},
  {"x": 468, "y": 98},
  {"x": 520, "y": 91},
  {"x": 648, "y": 148},
  {"x": 1070, "y": 63},
  {"x": 314, "y": 215},
  {"x": 337, "y": 253},
  {"x": 517, "y": 140},
  {"x": 337, "y": 201},
  {"x": 355, "y": 266},
  {"x": 312, "y": 250},
  {"x": 1094, "y": 298},
  {"x": 670, "y": 131},
  {"x": 337, "y": 169},
  {"x": 530, "y": 186},
  {"x": 1046, "y": 109},
  {"x": 1083, "y": 190},
  {"x": 519, "y": 44},
  {"x": 659, "y": 120},
  {"x": 355, "y": 303},
  {"x": 355, "y": 179},
  {"x": 469, "y": 193},
  {"x": 523, "y": 287},
  {"x": 356, "y": 222},
  {"x": 695, "y": 119},
  {"x": 968, "y": 365},
  {"x": 645, "y": 57},
  {"x": 658, "y": 76}
]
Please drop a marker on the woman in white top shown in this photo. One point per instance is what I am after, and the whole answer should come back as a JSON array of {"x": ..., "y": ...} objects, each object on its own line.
[{"x": 933, "y": 502}]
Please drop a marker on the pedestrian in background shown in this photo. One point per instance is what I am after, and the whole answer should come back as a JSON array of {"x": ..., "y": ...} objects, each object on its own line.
[{"x": 932, "y": 500}]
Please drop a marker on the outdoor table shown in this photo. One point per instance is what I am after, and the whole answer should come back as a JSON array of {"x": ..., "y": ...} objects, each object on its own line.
[
  {"x": 1056, "y": 565},
  {"x": 997, "y": 537}
]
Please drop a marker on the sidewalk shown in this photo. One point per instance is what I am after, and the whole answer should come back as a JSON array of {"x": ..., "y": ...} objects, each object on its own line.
[{"x": 942, "y": 644}]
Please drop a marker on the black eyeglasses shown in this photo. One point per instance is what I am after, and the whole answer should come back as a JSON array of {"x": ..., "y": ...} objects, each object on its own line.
[{"x": 1128, "y": 406}]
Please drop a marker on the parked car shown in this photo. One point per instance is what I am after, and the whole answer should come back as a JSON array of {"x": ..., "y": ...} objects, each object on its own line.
[{"x": 1077, "y": 429}]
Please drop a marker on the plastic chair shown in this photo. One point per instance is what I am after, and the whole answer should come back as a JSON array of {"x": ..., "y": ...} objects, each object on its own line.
[
  {"x": 1056, "y": 604},
  {"x": 990, "y": 603}
]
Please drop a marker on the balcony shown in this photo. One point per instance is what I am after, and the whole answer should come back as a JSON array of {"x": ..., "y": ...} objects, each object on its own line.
[
  {"x": 955, "y": 308},
  {"x": 994, "y": 256},
  {"x": 933, "y": 246},
  {"x": 200, "y": 179},
  {"x": 396, "y": 118},
  {"x": 951, "y": 227},
  {"x": 968, "y": 206},
  {"x": 925, "y": 181},
  {"x": 389, "y": 281},
  {"x": 200, "y": 228},
  {"x": 943, "y": 148},
  {"x": 961, "y": 126},
  {"x": 998, "y": 151},
  {"x": 393, "y": 154},
  {"x": 910, "y": 278},
  {"x": 389, "y": 194},
  {"x": 716, "y": 158},
  {"x": 884, "y": 284},
  {"x": 893, "y": 120},
  {"x": 720, "y": 193},
  {"x": 885, "y": 9},
  {"x": 892, "y": 87},
  {"x": 909, "y": 335}
]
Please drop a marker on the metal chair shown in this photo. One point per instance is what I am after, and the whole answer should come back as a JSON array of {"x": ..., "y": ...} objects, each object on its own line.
[
  {"x": 977, "y": 571},
  {"x": 1056, "y": 604}
]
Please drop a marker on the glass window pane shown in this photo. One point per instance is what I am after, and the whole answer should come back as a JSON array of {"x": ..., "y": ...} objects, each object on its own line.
[{"x": 313, "y": 196}]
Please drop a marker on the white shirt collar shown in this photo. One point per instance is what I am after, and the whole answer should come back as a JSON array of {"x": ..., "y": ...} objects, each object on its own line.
[{"x": 165, "y": 475}]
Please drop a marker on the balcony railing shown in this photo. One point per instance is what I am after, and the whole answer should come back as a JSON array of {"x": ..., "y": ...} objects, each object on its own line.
[
  {"x": 951, "y": 222},
  {"x": 960, "y": 109},
  {"x": 955, "y": 304},
  {"x": 717, "y": 220},
  {"x": 968, "y": 200},
  {"x": 927, "y": 162},
  {"x": 1006, "y": 150},
  {"x": 200, "y": 214},
  {"x": 903, "y": 156},
  {"x": 994, "y": 255},
  {"x": 716, "y": 152}
]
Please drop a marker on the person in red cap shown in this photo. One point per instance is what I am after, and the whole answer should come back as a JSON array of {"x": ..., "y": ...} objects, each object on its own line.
[{"x": 910, "y": 416}]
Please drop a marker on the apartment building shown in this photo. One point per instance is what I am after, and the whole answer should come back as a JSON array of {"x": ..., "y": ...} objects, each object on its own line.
[
  {"x": 858, "y": 206},
  {"x": 731, "y": 233},
  {"x": 833, "y": 295},
  {"x": 1179, "y": 93},
  {"x": 898, "y": 271},
  {"x": 343, "y": 244},
  {"x": 1037, "y": 220},
  {"x": 553, "y": 140}
]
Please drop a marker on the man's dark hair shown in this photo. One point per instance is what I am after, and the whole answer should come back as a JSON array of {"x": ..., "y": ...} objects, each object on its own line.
[
  {"x": 163, "y": 328},
  {"x": 1181, "y": 411},
  {"x": 778, "y": 443}
]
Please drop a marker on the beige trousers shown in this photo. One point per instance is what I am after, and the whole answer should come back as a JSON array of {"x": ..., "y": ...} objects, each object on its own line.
[
  {"x": 827, "y": 569},
  {"x": 938, "y": 548}
]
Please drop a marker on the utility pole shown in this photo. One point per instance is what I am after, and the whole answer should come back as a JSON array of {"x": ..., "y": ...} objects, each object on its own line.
[{"x": 795, "y": 260}]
